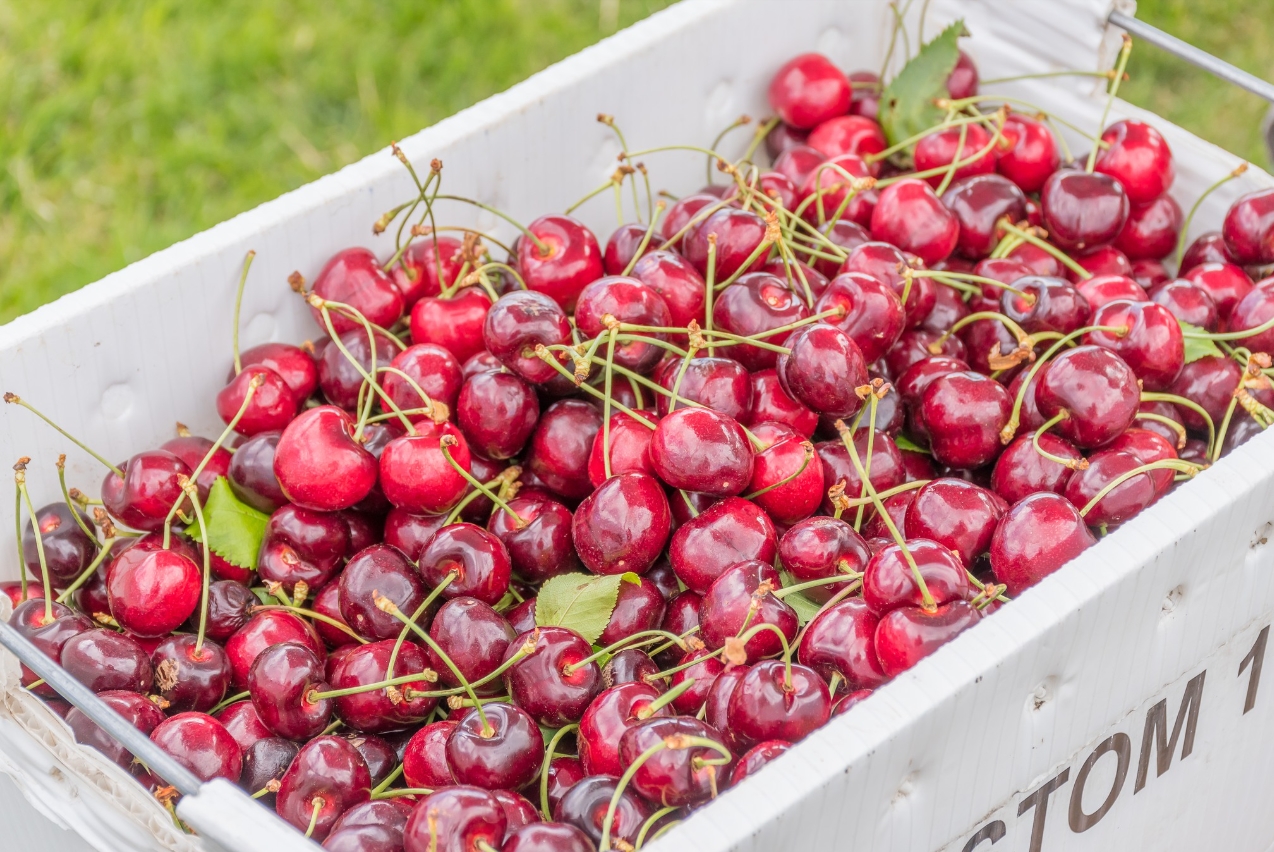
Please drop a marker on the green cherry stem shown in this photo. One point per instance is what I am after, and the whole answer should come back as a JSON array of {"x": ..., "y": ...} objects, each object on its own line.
[
  {"x": 14, "y": 399},
  {"x": 238, "y": 303}
]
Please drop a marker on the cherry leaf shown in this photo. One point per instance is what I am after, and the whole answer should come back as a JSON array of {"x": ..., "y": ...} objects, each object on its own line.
[
  {"x": 907, "y": 103},
  {"x": 1197, "y": 347},
  {"x": 805, "y": 608},
  {"x": 902, "y": 442},
  {"x": 235, "y": 529},
  {"x": 579, "y": 602}
]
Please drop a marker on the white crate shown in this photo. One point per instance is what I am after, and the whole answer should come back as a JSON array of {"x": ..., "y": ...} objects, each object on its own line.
[{"x": 950, "y": 749}]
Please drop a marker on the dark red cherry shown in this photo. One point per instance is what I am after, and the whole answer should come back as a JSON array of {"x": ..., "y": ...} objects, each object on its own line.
[
  {"x": 327, "y": 778},
  {"x": 68, "y": 551},
  {"x": 1096, "y": 388},
  {"x": 822, "y": 547},
  {"x": 1040, "y": 534},
  {"x": 727, "y": 532},
  {"x": 886, "y": 263},
  {"x": 1151, "y": 230},
  {"x": 456, "y": 819},
  {"x": 1039, "y": 261},
  {"x": 1057, "y": 305},
  {"x": 49, "y": 633},
  {"x": 370, "y": 827},
  {"x": 201, "y": 744},
  {"x": 721, "y": 384},
  {"x": 757, "y": 303},
  {"x": 673, "y": 776},
  {"x": 1152, "y": 343},
  {"x": 229, "y": 608},
  {"x": 627, "y": 300},
  {"x": 281, "y": 683},
  {"x": 941, "y": 148},
  {"x": 497, "y": 413},
  {"x": 1021, "y": 470},
  {"x": 561, "y": 445},
  {"x": 639, "y": 607},
  {"x": 518, "y": 810},
  {"x": 148, "y": 489},
  {"x": 627, "y": 443},
  {"x": 251, "y": 473},
  {"x": 886, "y": 469},
  {"x": 379, "y": 571},
  {"x": 1188, "y": 303},
  {"x": 908, "y": 634},
  {"x": 677, "y": 281},
  {"x": 1123, "y": 501},
  {"x": 137, "y": 709},
  {"x": 832, "y": 188},
  {"x": 622, "y": 245},
  {"x": 808, "y": 90},
  {"x": 1254, "y": 310},
  {"x": 787, "y": 474},
  {"x": 1138, "y": 157},
  {"x": 302, "y": 545},
  {"x": 475, "y": 560},
  {"x": 105, "y": 660},
  {"x": 425, "y": 756},
  {"x": 264, "y": 761},
  {"x": 501, "y": 752},
  {"x": 782, "y": 137},
  {"x": 741, "y": 598},
  {"x": 1208, "y": 247},
  {"x": 841, "y": 640},
  {"x": 543, "y": 546},
  {"x": 872, "y": 314},
  {"x": 455, "y": 324},
  {"x": 771, "y": 403},
  {"x": 698, "y": 449},
  {"x": 190, "y": 675},
  {"x": 681, "y": 617},
  {"x": 1103, "y": 260},
  {"x": 1210, "y": 383},
  {"x": 417, "y": 476},
  {"x": 563, "y": 774},
  {"x": 888, "y": 581},
  {"x": 1030, "y": 154},
  {"x": 1102, "y": 289},
  {"x": 410, "y": 533},
  {"x": 585, "y": 805},
  {"x": 979, "y": 202},
  {"x": 328, "y": 603},
  {"x": 910, "y": 216},
  {"x": 822, "y": 370},
  {"x": 1149, "y": 273},
  {"x": 568, "y": 260},
  {"x": 1226, "y": 283},
  {"x": 547, "y": 837},
  {"x": 739, "y": 234},
  {"x": 474, "y": 637},
  {"x": 631, "y": 665},
  {"x": 271, "y": 627},
  {"x": 755, "y": 758},
  {"x": 610, "y": 714},
  {"x": 520, "y": 321},
  {"x": 623, "y": 525},
  {"x": 376, "y": 711},
  {"x": 1083, "y": 210},
  {"x": 964, "y": 413},
  {"x": 956, "y": 514},
  {"x": 767, "y": 706},
  {"x": 1006, "y": 270},
  {"x": 191, "y": 449},
  {"x": 243, "y": 723},
  {"x": 319, "y": 464},
  {"x": 687, "y": 213},
  {"x": 551, "y": 683}
]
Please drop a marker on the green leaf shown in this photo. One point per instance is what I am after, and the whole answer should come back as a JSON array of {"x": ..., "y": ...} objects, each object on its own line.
[
  {"x": 907, "y": 103},
  {"x": 805, "y": 608},
  {"x": 235, "y": 529},
  {"x": 580, "y": 602},
  {"x": 1197, "y": 347},
  {"x": 902, "y": 442}
]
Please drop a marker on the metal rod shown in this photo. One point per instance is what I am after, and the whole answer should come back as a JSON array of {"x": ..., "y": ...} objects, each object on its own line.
[
  {"x": 1194, "y": 55},
  {"x": 99, "y": 711}
]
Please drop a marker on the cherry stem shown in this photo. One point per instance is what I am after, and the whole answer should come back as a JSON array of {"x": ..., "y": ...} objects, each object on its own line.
[
  {"x": 428, "y": 676},
  {"x": 681, "y": 371},
  {"x": 762, "y": 131},
  {"x": 912, "y": 140},
  {"x": 809, "y": 454},
  {"x": 102, "y": 553},
  {"x": 226, "y": 702},
  {"x": 969, "y": 276},
  {"x": 925, "y": 596},
  {"x": 935, "y": 348},
  {"x": 1167, "y": 421},
  {"x": 591, "y": 194},
  {"x": 20, "y": 477},
  {"x": 606, "y": 403},
  {"x": 445, "y": 444},
  {"x": 655, "y": 817},
  {"x": 1185, "y": 228},
  {"x": 697, "y": 219},
  {"x": 790, "y": 263},
  {"x": 964, "y": 103},
  {"x": 544, "y": 354},
  {"x": 1073, "y": 464},
  {"x": 13, "y": 398},
  {"x": 1229, "y": 335},
  {"x": 549, "y": 752},
  {"x": 544, "y": 249},
  {"x": 1148, "y": 396},
  {"x": 238, "y": 303},
  {"x": 643, "y": 637},
  {"x": 1061, "y": 256},
  {"x": 66, "y": 498},
  {"x": 645, "y": 240},
  {"x": 746, "y": 635},
  {"x": 402, "y": 791},
  {"x": 317, "y": 616},
  {"x": 884, "y": 495},
  {"x": 389, "y": 779},
  {"x": 435, "y": 410},
  {"x": 953, "y": 168},
  {"x": 17, "y": 529},
  {"x": 741, "y": 121},
  {"x": 1124, "y": 50},
  {"x": 192, "y": 493},
  {"x": 415, "y": 616},
  {"x": 1225, "y": 427},
  {"x": 851, "y": 577},
  {"x": 1179, "y": 465},
  {"x": 507, "y": 475},
  {"x": 317, "y": 803}
]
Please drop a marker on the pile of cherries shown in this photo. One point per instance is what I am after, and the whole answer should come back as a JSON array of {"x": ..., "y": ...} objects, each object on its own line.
[{"x": 816, "y": 421}]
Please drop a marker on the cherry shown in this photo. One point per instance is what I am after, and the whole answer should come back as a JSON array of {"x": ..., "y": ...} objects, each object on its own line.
[
  {"x": 628, "y": 450},
  {"x": 476, "y": 561},
  {"x": 962, "y": 82},
  {"x": 431, "y": 367},
  {"x": 767, "y": 705},
  {"x": 888, "y": 581},
  {"x": 787, "y": 475},
  {"x": 1040, "y": 534},
  {"x": 474, "y": 637},
  {"x": 848, "y": 134},
  {"x": 699, "y": 670},
  {"x": 908, "y": 634},
  {"x": 1097, "y": 390},
  {"x": 1139, "y": 158},
  {"x": 1124, "y": 500},
  {"x": 1210, "y": 383},
  {"x": 739, "y": 234},
  {"x": 49, "y": 634},
  {"x": 585, "y": 806},
  {"x": 838, "y": 467},
  {"x": 822, "y": 370},
  {"x": 1057, "y": 305},
  {"x": 687, "y": 209},
  {"x": 741, "y": 598},
  {"x": 687, "y": 505},
  {"x": 190, "y": 676},
  {"x": 280, "y": 682},
  {"x": 543, "y": 546},
  {"x": 455, "y": 324},
  {"x": 497, "y": 413},
  {"x": 912, "y": 217},
  {"x": 1039, "y": 261},
  {"x": 201, "y": 744},
  {"x": 885, "y": 263},
  {"x": 353, "y": 277},
  {"x": 328, "y": 603},
  {"x": 104, "y": 660},
  {"x": 1188, "y": 303},
  {"x": 271, "y": 627},
  {"x": 428, "y": 265},
  {"x": 631, "y": 665},
  {"x": 938, "y": 150},
  {"x": 1030, "y": 155},
  {"x": 783, "y": 137},
  {"x": 561, "y": 446},
  {"x": 327, "y": 778},
  {"x": 1102, "y": 260},
  {"x": 517, "y": 323},
  {"x": 1255, "y": 309},
  {"x": 152, "y": 592},
  {"x": 681, "y": 617},
  {"x": 518, "y": 811},
  {"x": 229, "y": 608},
  {"x": 302, "y": 545},
  {"x": 835, "y": 191},
  {"x": 627, "y": 300},
  {"x": 264, "y": 761},
  {"x": 149, "y": 488},
  {"x": 548, "y": 837},
  {"x": 500, "y": 748},
  {"x": 1225, "y": 283},
  {"x": 410, "y": 533},
  {"x": 1083, "y": 210},
  {"x": 621, "y": 247},
  {"x": 1102, "y": 289},
  {"x": 721, "y": 384},
  {"x": 370, "y": 827},
  {"x": 808, "y": 90},
  {"x": 771, "y": 403},
  {"x": 956, "y": 514},
  {"x": 551, "y": 683},
  {"x": 425, "y": 756},
  {"x": 822, "y": 547},
  {"x": 979, "y": 202},
  {"x": 756, "y": 303},
  {"x": 755, "y": 758},
  {"x": 639, "y": 607},
  {"x": 698, "y": 449},
  {"x": 1149, "y": 273},
  {"x": 68, "y": 551},
  {"x": 319, "y": 464},
  {"x": 1151, "y": 230},
  {"x": 1152, "y": 343},
  {"x": 610, "y": 714},
  {"x": 137, "y": 709},
  {"x": 377, "y": 711},
  {"x": 562, "y": 259},
  {"x": 417, "y": 476},
  {"x": 293, "y": 364},
  {"x": 522, "y": 616},
  {"x": 866, "y": 100},
  {"x": 191, "y": 449},
  {"x": 963, "y": 414},
  {"x": 912, "y": 382},
  {"x": 729, "y": 531},
  {"x": 677, "y": 281},
  {"x": 872, "y": 314},
  {"x": 273, "y": 403},
  {"x": 673, "y": 777},
  {"x": 844, "y": 233},
  {"x": 1021, "y": 470},
  {"x": 243, "y": 723},
  {"x": 251, "y": 473},
  {"x": 563, "y": 774},
  {"x": 841, "y": 640}
]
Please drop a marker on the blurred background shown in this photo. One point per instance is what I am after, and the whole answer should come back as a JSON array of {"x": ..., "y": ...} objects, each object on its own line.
[{"x": 127, "y": 126}]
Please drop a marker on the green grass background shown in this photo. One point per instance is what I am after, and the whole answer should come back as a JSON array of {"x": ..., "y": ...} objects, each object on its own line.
[{"x": 127, "y": 126}]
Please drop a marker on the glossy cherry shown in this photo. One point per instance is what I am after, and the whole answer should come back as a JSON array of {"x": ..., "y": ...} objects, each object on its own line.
[
  {"x": 1021, "y": 470},
  {"x": 963, "y": 414},
  {"x": 190, "y": 675},
  {"x": 908, "y": 634},
  {"x": 1120, "y": 503},
  {"x": 318, "y": 463},
  {"x": 698, "y": 449},
  {"x": 416, "y": 474},
  {"x": 1139, "y": 158},
  {"x": 474, "y": 637},
  {"x": 756, "y": 303},
  {"x": 729, "y": 531},
  {"x": 1151, "y": 230},
  {"x": 1040, "y": 534},
  {"x": 353, "y": 277},
  {"x": 1152, "y": 343},
  {"x": 376, "y": 711},
  {"x": 551, "y": 683},
  {"x": 379, "y": 571},
  {"x": 610, "y": 714},
  {"x": 1083, "y": 210},
  {"x": 1097, "y": 390},
  {"x": 561, "y": 446},
  {"x": 808, "y": 90},
  {"x": 585, "y": 805},
  {"x": 271, "y": 627},
  {"x": 823, "y": 369},
  {"x": 767, "y": 706},
  {"x": 910, "y": 216},
  {"x": 201, "y": 744},
  {"x": 148, "y": 489},
  {"x": 1030, "y": 155},
  {"x": 281, "y": 682},
  {"x": 673, "y": 776},
  {"x": 327, "y": 778},
  {"x": 566, "y": 260},
  {"x": 721, "y": 384},
  {"x": 456, "y": 323},
  {"x": 542, "y": 546},
  {"x": 503, "y": 752}
]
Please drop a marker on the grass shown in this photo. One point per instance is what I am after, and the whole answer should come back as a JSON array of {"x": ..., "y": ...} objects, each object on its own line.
[{"x": 127, "y": 126}]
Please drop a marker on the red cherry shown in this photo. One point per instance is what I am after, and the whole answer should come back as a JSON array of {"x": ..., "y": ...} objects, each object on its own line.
[
  {"x": 621, "y": 247},
  {"x": 190, "y": 677},
  {"x": 318, "y": 463},
  {"x": 292, "y": 363},
  {"x": 1255, "y": 309},
  {"x": 1083, "y": 210},
  {"x": 543, "y": 547},
  {"x": 623, "y": 525},
  {"x": 698, "y": 449},
  {"x": 353, "y": 277},
  {"x": 842, "y": 640},
  {"x": 302, "y": 545},
  {"x": 888, "y": 581},
  {"x": 499, "y": 750},
  {"x": 848, "y": 134},
  {"x": 956, "y": 514},
  {"x": 886, "y": 469},
  {"x": 1226, "y": 283},
  {"x": 273, "y": 403},
  {"x": 251, "y": 473},
  {"x": 1102, "y": 260},
  {"x": 1188, "y": 303},
  {"x": 329, "y": 777},
  {"x": 721, "y": 384},
  {"x": 104, "y": 660},
  {"x": 912, "y": 217},
  {"x": 886, "y": 263},
  {"x": 1031, "y": 154},
  {"x": 201, "y": 744},
  {"x": 963, "y": 414},
  {"x": 476, "y": 560},
  {"x": 1022, "y": 471},
  {"x": 585, "y": 806},
  {"x": 1151, "y": 230},
  {"x": 497, "y": 413},
  {"x": 243, "y": 723},
  {"x": 1101, "y": 289},
  {"x": 808, "y": 90},
  {"x": 455, "y": 324},
  {"x": 1096, "y": 388},
  {"x": 137, "y": 709},
  {"x": 520, "y": 321},
  {"x": 832, "y": 180},
  {"x": 962, "y": 82},
  {"x": 938, "y": 150},
  {"x": 1057, "y": 305},
  {"x": 552, "y": 683},
  {"x": 379, "y": 570},
  {"x": 628, "y": 300},
  {"x": 1210, "y": 383},
  {"x": 843, "y": 233},
  {"x": 375, "y": 711},
  {"x": 265, "y": 629},
  {"x": 1037, "y": 536},
  {"x": 822, "y": 547},
  {"x": 673, "y": 777},
  {"x": 756, "y": 757},
  {"x": 767, "y": 706},
  {"x": 281, "y": 682},
  {"x": 787, "y": 475},
  {"x": 1152, "y": 343},
  {"x": 823, "y": 370},
  {"x": 152, "y": 592},
  {"x": 757, "y": 303},
  {"x": 771, "y": 403},
  {"x": 149, "y": 488},
  {"x": 685, "y": 210},
  {"x": 677, "y": 282},
  {"x": 415, "y": 474},
  {"x": 908, "y": 634},
  {"x": 1149, "y": 273},
  {"x": 428, "y": 265},
  {"x": 1121, "y": 503},
  {"x": 610, "y": 714},
  {"x": 728, "y": 531},
  {"x": 739, "y": 233},
  {"x": 1147, "y": 447},
  {"x": 425, "y": 756},
  {"x": 569, "y": 260},
  {"x": 1139, "y": 158},
  {"x": 979, "y": 203},
  {"x": 561, "y": 446},
  {"x": 431, "y": 367}
]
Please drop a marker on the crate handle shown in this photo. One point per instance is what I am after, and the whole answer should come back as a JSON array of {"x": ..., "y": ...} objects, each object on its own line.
[{"x": 1193, "y": 55}]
